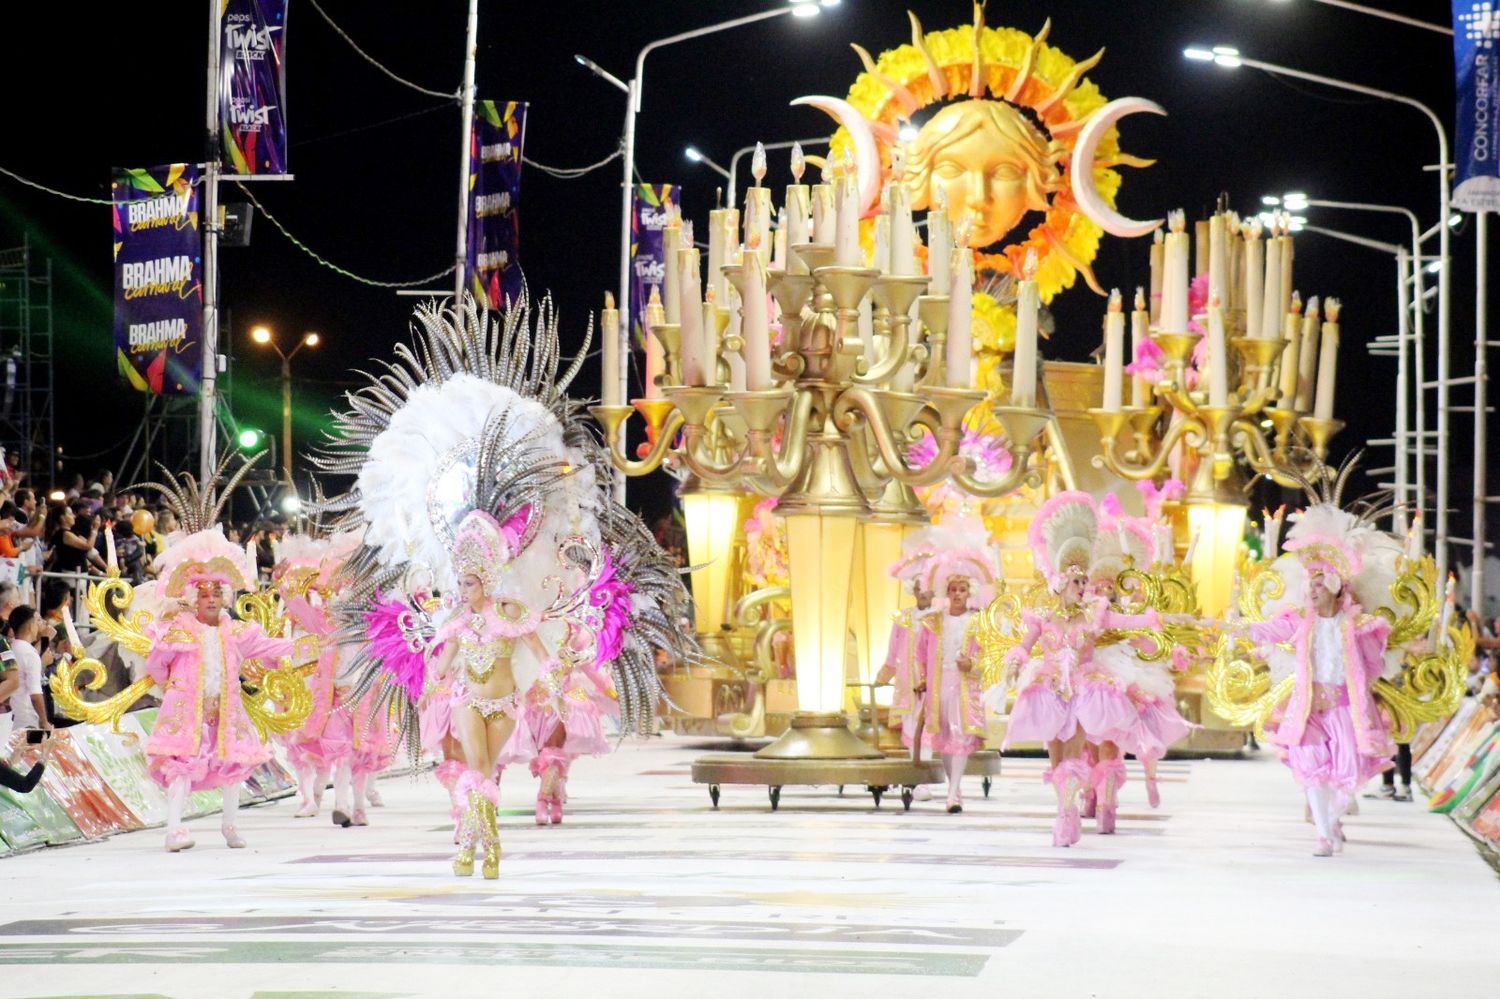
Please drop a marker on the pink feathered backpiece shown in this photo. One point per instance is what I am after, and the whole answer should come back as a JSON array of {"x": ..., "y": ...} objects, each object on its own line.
[
  {"x": 611, "y": 596},
  {"x": 394, "y": 641}
]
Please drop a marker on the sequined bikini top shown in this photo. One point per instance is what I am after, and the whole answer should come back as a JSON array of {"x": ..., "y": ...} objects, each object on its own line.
[{"x": 484, "y": 637}]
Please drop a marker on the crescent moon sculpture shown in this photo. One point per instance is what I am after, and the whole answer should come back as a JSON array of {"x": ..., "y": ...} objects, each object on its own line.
[
  {"x": 1085, "y": 194},
  {"x": 866, "y": 150}
]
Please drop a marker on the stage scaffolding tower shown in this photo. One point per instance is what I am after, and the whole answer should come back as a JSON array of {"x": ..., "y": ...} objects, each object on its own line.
[{"x": 26, "y": 358}]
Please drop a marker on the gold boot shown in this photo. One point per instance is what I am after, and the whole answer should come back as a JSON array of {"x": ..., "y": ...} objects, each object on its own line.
[
  {"x": 463, "y": 863},
  {"x": 491, "y": 836}
]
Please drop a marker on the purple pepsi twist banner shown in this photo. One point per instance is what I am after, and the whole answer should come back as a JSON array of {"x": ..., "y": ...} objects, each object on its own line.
[
  {"x": 492, "y": 268},
  {"x": 651, "y": 206},
  {"x": 158, "y": 278},
  {"x": 1476, "y": 180},
  {"x": 252, "y": 86}
]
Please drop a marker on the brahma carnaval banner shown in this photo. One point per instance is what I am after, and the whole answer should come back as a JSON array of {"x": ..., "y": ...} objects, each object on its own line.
[
  {"x": 252, "y": 86},
  {"x": 492, "y": 264},
  {"x": 158, "y": 278}
]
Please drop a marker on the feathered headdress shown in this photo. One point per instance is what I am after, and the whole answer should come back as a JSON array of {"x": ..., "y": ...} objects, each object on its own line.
[
  {"x": 1062, "y": 537},
  {"x": 200, "y": 555},
  {"x": 1342, "y": 540},
  {"x": 469, "y": 457}
]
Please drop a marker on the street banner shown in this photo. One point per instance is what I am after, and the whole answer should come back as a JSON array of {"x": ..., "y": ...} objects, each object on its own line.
[
  {"x": 158, "y": 278},
  {"x": 252, "y": 86},
  {"x": 492, "y": 266},
  {"x": 1476, "y": 179},
  {"x": 651, "y": 205},
  {"x": 120, "y": 759},
  {"x": 71, "y": 781}
]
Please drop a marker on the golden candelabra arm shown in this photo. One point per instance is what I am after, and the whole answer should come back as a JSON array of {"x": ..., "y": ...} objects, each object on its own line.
[
  {"x": 895, "y": 295},
  {"x": 612, "y": 419},
  {"x": 766, "y": 471},
  {"x": 947, "y": 409},
  {"x": 1189, "y": 430}
]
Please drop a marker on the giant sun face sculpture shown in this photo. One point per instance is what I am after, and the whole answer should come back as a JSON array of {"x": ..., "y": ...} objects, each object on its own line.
[{"x": 1006, "y": 125}]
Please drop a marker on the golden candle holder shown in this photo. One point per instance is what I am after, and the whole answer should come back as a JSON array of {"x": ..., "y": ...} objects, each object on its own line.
[
  {"x": 1217, "y": 438},
  {"x": 830, "y": 440}
]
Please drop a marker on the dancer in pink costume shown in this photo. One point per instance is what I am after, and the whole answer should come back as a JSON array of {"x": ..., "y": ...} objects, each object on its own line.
[
  {"x": 323, "y": 742},
  {"x": 900, "y": 651},
  {"x": 437, "y": 738},
  {"x": 1054, "y": 663},
  {"x": 561, "y": 722},
  {"x": 949, "y": 716},
  {"x": 203, "y": 737},
  {"x": 1329, "y": 730}
]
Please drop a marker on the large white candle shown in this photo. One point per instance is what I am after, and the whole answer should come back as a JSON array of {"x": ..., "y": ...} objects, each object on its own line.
[
  {"x": 882, "y": 261},
  {"x": 1289, "y": 355},
  {"x": 903, "y": 234},
  {"x": 656, "y": 315},
  {"x": 1114, "y": 352},
  {"x": 754, "y": 326},
  {"x": 939, "y": 244},
  {"x": 1200, "y": 247},
  {"x": 1328, "y": 361},
  {"x": 671, "y": 242},
  {"x": 1218, "y": 356},
  {"x": 1272, "y": 310},
  {"x": 1174, "y": 292},
  {"x": 1218, "y": 260},
  {"x": 710, "y": 337},
  {"x": 690, "y": 309},
  {"x": 720, "y": 247},
  {"x": 1158, "y": 267},
  {"x": 797, "y": 209},
  {"x": 846, "y": 250},
  {"x": 1140, "y": 332},
  {"x": 778, "y": 250},
  {"x": 1028, "y": 301},
  {"x": 960, "y": 317},
  {"x": 823, "y": 214},
  {"x": 1255, "y": 284},
  {"x": 609, "y": 322},
  {"x": 1286, "y": 270},
  {"x": 1307, "y": 365}
]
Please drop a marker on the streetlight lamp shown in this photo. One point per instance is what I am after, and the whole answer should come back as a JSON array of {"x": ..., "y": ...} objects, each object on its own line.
[
  {"x": 695, "y": 155},
  {"x": 266, "y": 338},
  {"x": 1231, "y": 58}
]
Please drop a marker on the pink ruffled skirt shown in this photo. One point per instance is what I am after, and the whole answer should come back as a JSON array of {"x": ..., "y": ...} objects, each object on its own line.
[
  {"x": 206, "y": 770},
  {"x": 1040, "y": 715},
  {"x": 583, "y": 735},
  {"x": 1329, "y": 752},
  {"x": 1103, "y": 709}
]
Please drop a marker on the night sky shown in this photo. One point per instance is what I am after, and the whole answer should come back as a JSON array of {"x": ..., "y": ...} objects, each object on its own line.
[{"x": 84, "y": 93}]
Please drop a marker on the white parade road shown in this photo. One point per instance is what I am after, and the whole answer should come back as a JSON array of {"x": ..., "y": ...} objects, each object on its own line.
[{"x": 647, "y": 891}]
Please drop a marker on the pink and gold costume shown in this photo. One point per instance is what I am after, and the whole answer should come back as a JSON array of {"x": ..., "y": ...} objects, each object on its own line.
[
  {"x": 203, "y": 733},
  {"x": 953, "y": 708}
]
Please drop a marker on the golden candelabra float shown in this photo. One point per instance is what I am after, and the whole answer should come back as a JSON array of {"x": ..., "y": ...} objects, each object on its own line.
[{"x": 829, "y": 439}]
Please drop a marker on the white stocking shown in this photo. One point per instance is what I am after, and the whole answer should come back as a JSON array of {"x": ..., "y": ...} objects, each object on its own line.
[
  {"x": 176, "y": 799},
  {"x": 231, "y": 804},
  {"x": 360, "y": 782},
  {"x": 1320, "y": 800},
  {"x": 341, "y": 781}
]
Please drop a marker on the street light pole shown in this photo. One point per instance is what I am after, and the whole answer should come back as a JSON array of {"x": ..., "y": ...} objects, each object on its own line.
[
  {"x": 286, "y": 416},
  {"x": 1231, "y": 58}
]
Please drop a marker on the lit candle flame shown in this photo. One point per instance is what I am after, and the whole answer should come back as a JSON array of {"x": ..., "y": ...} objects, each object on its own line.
[
  {"x": 1331, "y": 310},
  {"x": 758, "y": 164},
  {"x": 1028, "y": 268},
  {"x": 1140, "y": 299},
  {"x": 1115, "y": 302},
  {"x": 609, "y": 298},
  {"x": 799, "y": 162}
]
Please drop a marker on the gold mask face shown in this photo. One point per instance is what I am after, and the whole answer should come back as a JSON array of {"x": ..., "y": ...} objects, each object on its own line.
[{"x": 990, "y": 164}]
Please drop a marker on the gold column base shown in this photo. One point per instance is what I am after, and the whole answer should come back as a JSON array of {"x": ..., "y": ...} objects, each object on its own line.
[{"x": 819, "y": 736}]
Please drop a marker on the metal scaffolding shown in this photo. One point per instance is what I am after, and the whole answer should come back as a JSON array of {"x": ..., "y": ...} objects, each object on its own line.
[{"x": 26, "y": 355}]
